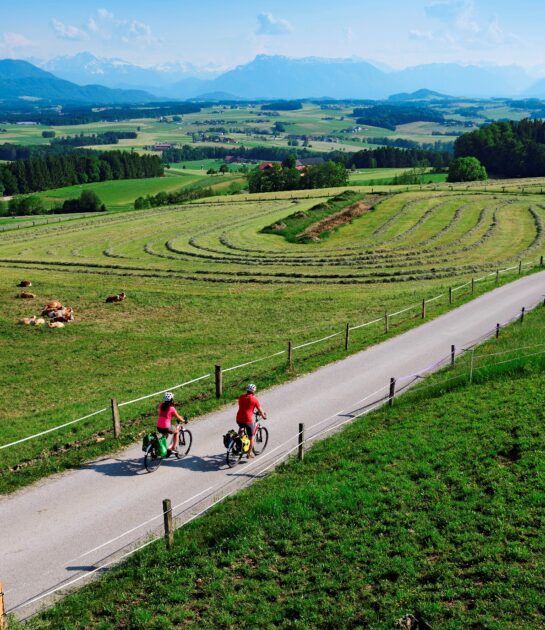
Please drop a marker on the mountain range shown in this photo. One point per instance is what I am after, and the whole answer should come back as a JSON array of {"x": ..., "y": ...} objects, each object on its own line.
[
  {"x": 265, "y": 77},
  {"x": 20, "y": 80}
]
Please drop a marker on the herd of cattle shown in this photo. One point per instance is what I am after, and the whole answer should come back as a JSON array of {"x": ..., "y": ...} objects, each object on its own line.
[{"x": 54, "y": 313}]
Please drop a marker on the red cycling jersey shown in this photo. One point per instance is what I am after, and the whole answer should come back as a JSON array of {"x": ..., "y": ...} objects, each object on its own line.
[{"x": 246, "y": 405}]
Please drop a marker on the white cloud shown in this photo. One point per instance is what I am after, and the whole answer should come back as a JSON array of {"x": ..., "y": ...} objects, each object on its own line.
[
  {"x": 16, "y": 40},
  {"x": 105, "y": 26},
  {"x": 421, "y": 36},
  {"x": 348, "y": 34},
  {"x": 462, "y": 27},
  {"x": 138, "y": 32},
  {"x": 67, "y": 31},
  {"x": 104, "y": 14},
  {"x": 269, "y": 25}
]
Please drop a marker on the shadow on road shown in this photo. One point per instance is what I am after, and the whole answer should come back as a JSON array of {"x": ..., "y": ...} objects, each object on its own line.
[
  {"x": 208, "y": 463},
  {"x": 117, "y": 467},
  {"x": 132, "y": 467}
]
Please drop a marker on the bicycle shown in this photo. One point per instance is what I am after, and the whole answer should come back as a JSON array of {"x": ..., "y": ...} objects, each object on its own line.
[
  {"x": 238, "y": 443},
  {"x": 152, "y": 449}
]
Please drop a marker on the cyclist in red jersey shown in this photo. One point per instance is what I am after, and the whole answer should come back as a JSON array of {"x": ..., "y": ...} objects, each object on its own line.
[{"x": 245, "y": 415}]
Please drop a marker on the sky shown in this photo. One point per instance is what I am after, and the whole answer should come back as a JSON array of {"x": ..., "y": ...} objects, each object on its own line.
[{"x": 224, "y": 33}]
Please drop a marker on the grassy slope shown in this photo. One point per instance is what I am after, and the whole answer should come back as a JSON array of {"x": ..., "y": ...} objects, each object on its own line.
[
  {"x": 434, "y": 507},
  {"x": 120, "y": 194},
  {"x": 170, "y": 330}
]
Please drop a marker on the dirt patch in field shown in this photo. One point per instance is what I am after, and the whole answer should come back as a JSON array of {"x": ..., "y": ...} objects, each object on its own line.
[{"x": 314, "y": 231}]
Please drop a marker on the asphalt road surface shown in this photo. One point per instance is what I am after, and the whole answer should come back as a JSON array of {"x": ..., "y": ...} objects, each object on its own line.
[{"x": 58, "y": 533}]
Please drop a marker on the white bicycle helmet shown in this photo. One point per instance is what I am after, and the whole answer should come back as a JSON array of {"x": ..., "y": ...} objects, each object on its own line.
[
  {"x": 168, "y": 397},
  {"x": 251, "y": 388}
]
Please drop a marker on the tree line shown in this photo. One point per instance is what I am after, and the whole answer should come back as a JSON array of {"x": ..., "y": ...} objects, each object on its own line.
[
  {"x": 11, "y": 152},
  {"x": 282, "y": 106},
  {"x": 57, "y": 171},
  {"x": 32, "y": 205},
  {"x": 389, "y": 116},
  {"x": 81, "y": 115},
  {"x": 508, "y": 149},
  {"x": 381, "y": 157},
  {"x": 82, "y": 140},
  {"x": 285, "y": 176},
  {"x": 390, "y": 157}
]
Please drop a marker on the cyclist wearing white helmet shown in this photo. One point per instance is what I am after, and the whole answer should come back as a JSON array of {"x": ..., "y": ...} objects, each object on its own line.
[
  {"x": 245, "y": 415},
  {"x": 167, "y": 411}
]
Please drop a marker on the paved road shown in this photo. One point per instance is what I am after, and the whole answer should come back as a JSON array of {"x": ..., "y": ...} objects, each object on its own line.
[{"x": 64, "y": 528}]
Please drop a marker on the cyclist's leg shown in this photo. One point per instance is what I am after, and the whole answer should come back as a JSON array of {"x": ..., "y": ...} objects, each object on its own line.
[
  {"x": 250, "y": 432},
  {"x": 176, "y": 438}
]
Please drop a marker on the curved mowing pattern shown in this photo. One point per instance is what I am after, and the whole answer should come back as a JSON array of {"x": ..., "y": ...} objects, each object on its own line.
[{"x": 406, "y": 236}]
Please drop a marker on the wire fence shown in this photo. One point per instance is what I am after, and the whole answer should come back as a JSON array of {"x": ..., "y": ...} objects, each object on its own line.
[{"x": 386, "y": 320}]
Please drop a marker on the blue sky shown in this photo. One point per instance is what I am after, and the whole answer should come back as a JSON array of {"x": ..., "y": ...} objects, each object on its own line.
[{"x": 225, "y": 33}]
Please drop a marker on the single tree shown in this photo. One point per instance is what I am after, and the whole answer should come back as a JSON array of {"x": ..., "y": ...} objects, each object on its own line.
[{"x": 466, "y": 169}]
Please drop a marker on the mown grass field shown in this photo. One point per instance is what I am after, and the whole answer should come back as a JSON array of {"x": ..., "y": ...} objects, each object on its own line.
[
  {"x": 206, "y": 287},
  {"x": 434, "y": 508},
  {"x": 120, "y": 194}
]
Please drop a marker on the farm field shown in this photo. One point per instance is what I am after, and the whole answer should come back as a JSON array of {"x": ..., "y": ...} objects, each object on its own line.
[
  {"x": 248, "y": 125},
  {"x": 120, "y": 194},
  {"x": 431, "y": 508},
  {"x": 206, "y": 287}
]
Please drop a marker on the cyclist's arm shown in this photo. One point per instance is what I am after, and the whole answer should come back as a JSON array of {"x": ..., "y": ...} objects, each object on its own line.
[
  {"x": 179, "y": 418},
  {"x": 260, "y": 410}
]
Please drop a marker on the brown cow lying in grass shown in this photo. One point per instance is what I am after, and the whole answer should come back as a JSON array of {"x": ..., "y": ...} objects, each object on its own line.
[
  {"x": 56, "y": 312},
  {"x": 116, "y": 298},
  {"x": 25, "y": 295},
  {"x": 25, "y": 283}
]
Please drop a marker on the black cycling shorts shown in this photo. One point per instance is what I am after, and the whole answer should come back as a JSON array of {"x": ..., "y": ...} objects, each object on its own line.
[{"x": 249, "y": 428}]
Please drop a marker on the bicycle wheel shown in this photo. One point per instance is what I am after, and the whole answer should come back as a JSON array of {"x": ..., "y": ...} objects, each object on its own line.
[
  {"x": 234, "y": 455},
  {"x": 152, "y": 460},
  {"x": 186, "y": 439},
  {"x": 260, "y": 440}
]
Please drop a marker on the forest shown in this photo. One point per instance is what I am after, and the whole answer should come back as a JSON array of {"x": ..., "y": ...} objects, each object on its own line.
[
  {"x": 389, "y": 116},
  {"x": 45, "y": 173},
  {"x": 507, "y": 149}
]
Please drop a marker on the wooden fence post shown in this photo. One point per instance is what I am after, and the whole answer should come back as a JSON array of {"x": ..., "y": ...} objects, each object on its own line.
[
  {"x": 2, "y": 609},
  {"x": 392, "y": 391},
  {"x": 169, "y": 528},
  {"x": 219, "y": 381},
  {"x": 386, "y": 322},
  {"x": 452, "y": 355},
  {"x": 497, "y": 276},
  {"x": 116, "y": 420},
  {"x": 423, "y": 309},
  {"x": 522, "y": 314},
  {"x": 520, "y": 267},
  {"x": 450, "y": 295},
  {"x": 498, "y": 327},
  {"x": 347, "y": 337},
  {"x": 301, "y": 442},
  {"x": 290, "y": 355},
  {"x": 472, "y": 285},
  {"x": 541, "y": 261}
]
